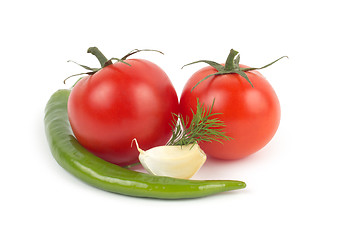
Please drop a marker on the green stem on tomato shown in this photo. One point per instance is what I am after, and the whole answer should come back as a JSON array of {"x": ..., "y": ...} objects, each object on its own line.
[
  {"x": 104, "y": 61},
  {"x": 231, "y": 66},
  {"x": 139, "y": 50},
  {"x": 230, "y": 63},
  {"x": 100, "y": 56}
]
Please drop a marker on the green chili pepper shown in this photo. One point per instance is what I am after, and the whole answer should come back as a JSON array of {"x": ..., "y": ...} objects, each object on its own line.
[{"x": 107, "y": 176}]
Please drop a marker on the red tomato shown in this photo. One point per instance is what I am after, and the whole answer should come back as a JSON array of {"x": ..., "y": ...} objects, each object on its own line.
[
  {"x": 251, "y": 114},
  {"x": 118, "y": 103}
]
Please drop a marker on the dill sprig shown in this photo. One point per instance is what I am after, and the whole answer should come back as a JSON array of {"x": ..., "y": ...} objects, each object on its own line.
[{"x": 202, "y": 128}]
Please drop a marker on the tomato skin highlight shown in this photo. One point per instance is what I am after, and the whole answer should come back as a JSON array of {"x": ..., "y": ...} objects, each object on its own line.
[
  {"x": 118, "y": 103},
  {"x": 251, "y": 114}
]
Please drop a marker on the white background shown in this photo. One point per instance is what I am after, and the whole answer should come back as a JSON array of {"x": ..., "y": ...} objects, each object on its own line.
[{"x": 303, "y": 185}]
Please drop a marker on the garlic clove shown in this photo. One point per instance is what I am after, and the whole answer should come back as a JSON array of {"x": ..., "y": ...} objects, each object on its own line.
[{"x": 172, "y": 161}]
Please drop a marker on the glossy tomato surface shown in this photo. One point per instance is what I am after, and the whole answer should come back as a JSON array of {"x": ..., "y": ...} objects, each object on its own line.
[
  {"x": 251, "y": 114},
  {"x": 109, "y": 109}
]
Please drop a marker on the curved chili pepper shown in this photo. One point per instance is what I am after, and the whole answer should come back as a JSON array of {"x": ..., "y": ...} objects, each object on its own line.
[{"x": 107, "y": 176}]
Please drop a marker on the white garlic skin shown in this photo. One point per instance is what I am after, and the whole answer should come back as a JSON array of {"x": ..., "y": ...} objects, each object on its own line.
[{"x": 173, "y": 161}]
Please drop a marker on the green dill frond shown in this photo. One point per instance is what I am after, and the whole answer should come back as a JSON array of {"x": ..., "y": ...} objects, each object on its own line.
[{"x": 202, "y": 128}]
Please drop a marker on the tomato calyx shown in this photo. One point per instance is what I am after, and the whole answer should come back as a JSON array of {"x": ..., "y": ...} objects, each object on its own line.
[
  {"x": 231, "y": 66},
  {"x": 104, "y": 62}
]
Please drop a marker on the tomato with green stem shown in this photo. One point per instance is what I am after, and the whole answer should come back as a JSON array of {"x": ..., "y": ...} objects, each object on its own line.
[
  {"x": 118, "y": 102},
  {"x": 249, "y": 105}
]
